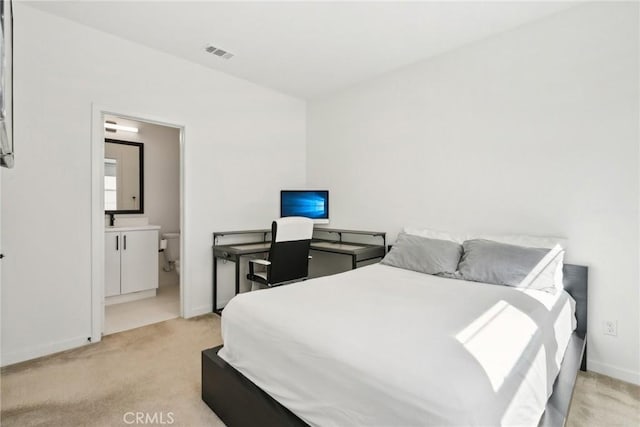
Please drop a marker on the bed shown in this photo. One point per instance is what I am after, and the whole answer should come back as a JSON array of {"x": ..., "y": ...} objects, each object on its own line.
[{"x": 386, "y": 346}]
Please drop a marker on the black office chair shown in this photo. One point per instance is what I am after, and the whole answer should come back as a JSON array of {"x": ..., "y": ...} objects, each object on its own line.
[{"x": 289, "y": 253}]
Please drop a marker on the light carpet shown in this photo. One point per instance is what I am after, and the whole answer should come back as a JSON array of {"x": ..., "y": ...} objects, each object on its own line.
[{"x": 155, "y": 370}]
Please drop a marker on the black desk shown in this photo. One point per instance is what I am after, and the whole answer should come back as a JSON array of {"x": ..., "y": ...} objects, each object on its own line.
[{"x": 359, "y": 252}]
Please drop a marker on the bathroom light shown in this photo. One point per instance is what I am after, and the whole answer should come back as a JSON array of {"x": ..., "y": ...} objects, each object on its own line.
[{"x": 114, "y": 126}]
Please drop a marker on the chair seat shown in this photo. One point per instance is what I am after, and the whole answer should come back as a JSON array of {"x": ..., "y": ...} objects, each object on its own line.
[
  {"x": 263, "y": 275},
  {"x": 262, "y": 279},
  {"x": 259, "y": 277}
]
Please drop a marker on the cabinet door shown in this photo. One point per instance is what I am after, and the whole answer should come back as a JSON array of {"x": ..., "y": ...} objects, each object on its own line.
[
  {"x": 112, "y": 246},
  {"x": 139, "y": 261}
]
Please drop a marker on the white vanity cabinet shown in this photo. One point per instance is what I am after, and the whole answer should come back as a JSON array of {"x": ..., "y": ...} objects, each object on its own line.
[{"x": 131, "y": 261}]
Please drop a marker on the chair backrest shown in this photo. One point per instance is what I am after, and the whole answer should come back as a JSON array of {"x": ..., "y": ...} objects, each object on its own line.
[{"x": 289, "y": 253}]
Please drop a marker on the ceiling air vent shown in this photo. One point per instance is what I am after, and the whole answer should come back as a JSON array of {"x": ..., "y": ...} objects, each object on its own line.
[{"x": 219, "y": 52}]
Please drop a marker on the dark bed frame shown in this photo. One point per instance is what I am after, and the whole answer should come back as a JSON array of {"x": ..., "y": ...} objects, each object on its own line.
[{"x": 239, "y": 402}]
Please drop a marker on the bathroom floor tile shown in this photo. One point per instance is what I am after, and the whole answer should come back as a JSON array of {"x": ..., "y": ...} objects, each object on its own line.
[{"x": 129, "y": 315}]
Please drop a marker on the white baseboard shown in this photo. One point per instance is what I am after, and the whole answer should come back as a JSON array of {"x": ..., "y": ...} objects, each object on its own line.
[
  {"x": 10, "y": 358},
  {"x": 198, "y": 311},
  {"x": 133, "y": 296},
  {"x": 614, "y": 371}
]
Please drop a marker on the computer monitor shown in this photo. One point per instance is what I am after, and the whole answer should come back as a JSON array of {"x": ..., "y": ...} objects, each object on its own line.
[{"x": 312, "y": 204}]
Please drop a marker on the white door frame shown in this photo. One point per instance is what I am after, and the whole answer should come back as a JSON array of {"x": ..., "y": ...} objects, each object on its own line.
[{"x": 97, "y": 210}]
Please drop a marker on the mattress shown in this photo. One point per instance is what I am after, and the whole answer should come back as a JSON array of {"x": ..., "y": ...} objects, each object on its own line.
[{"x": 385, "y": 346}]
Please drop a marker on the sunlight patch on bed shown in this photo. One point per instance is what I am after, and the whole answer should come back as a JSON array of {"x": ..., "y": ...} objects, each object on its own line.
[
  {"x": 531, "y": 390},
  {"x": 496, "y": 340},
  {"x": 562, "y": 334}
]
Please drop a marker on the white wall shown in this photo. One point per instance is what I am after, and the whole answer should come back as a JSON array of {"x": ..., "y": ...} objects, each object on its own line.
[
  {"x": 233, "y": 130},
  {"x": 531, "y": 131}
]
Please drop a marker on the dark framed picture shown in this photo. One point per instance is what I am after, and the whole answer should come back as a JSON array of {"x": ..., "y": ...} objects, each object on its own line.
[{"x": 6, "y": 84}]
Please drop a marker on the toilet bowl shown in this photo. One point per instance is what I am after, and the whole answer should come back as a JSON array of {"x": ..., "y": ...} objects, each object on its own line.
[{"x": 172, "y": 252}]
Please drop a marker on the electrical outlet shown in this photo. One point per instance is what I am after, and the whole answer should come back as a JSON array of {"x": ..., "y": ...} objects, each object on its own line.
[{"x": 610, "y": 327}]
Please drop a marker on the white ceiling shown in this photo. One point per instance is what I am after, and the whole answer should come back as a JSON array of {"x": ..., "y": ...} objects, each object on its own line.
[{"x": 306, "y": 49}]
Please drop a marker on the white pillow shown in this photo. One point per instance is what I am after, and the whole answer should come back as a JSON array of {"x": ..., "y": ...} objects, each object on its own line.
[
  {"x": 510, "y": 239},
  {"x": 558, "y": 275},
  {"x": 435, "y": 234}
]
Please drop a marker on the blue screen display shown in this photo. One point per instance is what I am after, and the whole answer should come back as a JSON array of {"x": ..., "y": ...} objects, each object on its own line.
[{"x": 310, "y": 204}]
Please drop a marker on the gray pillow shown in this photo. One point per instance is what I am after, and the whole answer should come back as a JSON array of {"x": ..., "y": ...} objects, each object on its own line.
[
  {"x": 498, "y": 263},
  {"x": 424, "y": 255}
]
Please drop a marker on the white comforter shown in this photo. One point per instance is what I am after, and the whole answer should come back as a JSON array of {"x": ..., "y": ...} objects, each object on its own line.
[{"x": 390, "y": 347}]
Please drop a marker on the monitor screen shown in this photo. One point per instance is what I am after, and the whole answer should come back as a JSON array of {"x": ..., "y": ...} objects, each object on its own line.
[{"x": 312, "y": 204}]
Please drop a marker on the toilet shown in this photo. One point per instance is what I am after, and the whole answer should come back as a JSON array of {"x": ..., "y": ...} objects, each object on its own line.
[{"x": 172, "y": 253}]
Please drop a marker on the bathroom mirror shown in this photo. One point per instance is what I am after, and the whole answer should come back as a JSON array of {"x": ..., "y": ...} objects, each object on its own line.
[{"x": 123, "y": 177}]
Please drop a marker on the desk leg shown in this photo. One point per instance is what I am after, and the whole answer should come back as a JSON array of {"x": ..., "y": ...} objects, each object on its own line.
[
  {"x": 238, "y": 276},
  {"x": 354, "y": 263},
  {"x": 215, "y": 284}
]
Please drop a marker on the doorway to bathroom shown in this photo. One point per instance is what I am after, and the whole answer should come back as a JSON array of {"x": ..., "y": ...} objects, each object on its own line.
[{"x": 141, "y": 187}]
